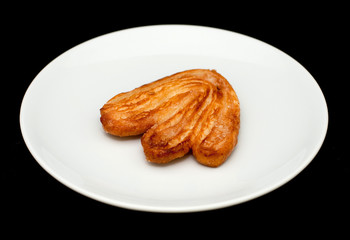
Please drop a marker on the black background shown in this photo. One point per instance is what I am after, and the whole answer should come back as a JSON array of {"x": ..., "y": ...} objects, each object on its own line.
[{"x": 314, "y": 35}]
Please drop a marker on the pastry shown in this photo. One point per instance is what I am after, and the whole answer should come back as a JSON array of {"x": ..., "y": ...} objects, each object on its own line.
[{"x": 194, "y": 109}]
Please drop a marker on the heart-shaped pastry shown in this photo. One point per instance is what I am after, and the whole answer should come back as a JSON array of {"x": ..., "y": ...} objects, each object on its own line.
[{"x": 194, "y": 109}]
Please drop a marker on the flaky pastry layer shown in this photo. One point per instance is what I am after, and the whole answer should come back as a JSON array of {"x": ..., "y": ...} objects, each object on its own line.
[{"x": 194, "y": 109}]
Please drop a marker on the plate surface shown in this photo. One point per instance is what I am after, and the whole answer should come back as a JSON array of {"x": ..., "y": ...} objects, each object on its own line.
[{"x": 284, "y": 118}]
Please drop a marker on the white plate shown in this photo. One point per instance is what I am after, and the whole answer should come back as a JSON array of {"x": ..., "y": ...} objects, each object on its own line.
[{"x": 284, "y": 118}]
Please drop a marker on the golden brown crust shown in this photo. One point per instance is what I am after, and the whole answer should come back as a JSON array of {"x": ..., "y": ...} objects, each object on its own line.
[{"x": 195, "y": 109}]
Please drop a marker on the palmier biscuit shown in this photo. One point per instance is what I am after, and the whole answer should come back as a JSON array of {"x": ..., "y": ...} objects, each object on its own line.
[{"x": 194, "y": 109}]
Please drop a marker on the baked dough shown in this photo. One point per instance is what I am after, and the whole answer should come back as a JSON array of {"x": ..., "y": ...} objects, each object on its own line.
[{"x": 194, "y": 109}]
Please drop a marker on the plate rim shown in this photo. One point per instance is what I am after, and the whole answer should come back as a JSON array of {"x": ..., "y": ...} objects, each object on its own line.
[{"x": 166, "y": 209}]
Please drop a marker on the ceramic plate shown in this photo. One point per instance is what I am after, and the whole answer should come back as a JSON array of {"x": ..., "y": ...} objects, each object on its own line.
[{"x": 283, "y": 118}]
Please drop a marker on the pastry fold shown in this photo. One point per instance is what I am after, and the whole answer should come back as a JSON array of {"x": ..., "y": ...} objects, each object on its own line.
[{"x": 194, "y": 109}]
